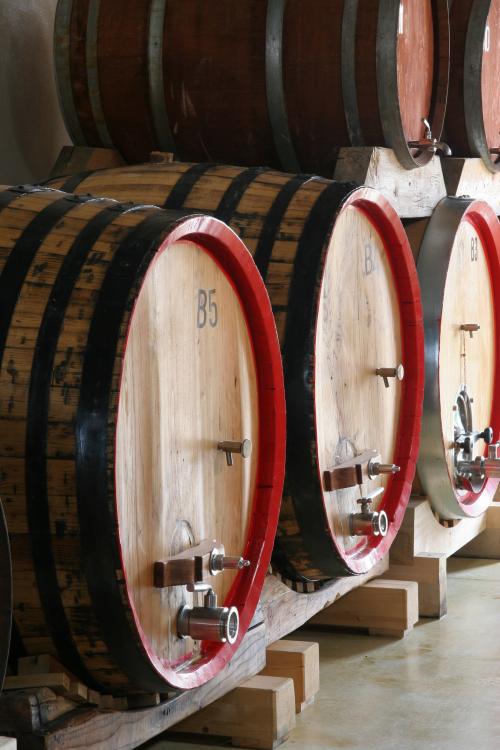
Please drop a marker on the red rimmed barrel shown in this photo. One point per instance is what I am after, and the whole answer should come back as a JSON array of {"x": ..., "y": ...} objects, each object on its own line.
[
  {"x": 346, "y": 299},
  {"x": 473, "y": 114},
  {"x": 142, "y": 436},
  {"x": 5, "y": 596},
  {"x": 277, "y": 82},
  {"x": 458, "y": 253}
]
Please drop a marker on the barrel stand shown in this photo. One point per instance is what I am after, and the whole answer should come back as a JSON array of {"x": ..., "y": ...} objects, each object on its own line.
[
  {"x": 425, "y": 543},
  {"x": 472, "y": 177}
]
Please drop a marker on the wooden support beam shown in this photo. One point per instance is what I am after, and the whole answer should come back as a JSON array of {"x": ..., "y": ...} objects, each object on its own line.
[
  {"x": 300, "y": 661},
  {"x": 430, "y": 574},
  {"x": 259, "y": 714},
  {"x": 384, "y": 607},
  {"x": 413, "y": 193},
  {"x": 422, "y": 535},
  {"x": 472, "y": 177},
  {"x": 7, "y": 743},
  {"x": 487, "y": 543}
]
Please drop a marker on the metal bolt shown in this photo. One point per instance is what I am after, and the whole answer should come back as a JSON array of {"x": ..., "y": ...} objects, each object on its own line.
[
  {"x": 390, "y": 372},
  {"x": 229, "y": 447},
  {"x": 472, "y": 328},
  {"x": 219, "y": 562},
  {"x": 376, "y": 469}
]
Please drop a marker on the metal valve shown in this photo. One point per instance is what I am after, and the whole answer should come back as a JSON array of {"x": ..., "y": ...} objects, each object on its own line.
[
  {"x": 210, "y": 622},
  {"x": 230, "y": 447},
  {"x": 472, "y": 328},
  {"x": 428, "y": 143},
  {"x": 390, "y": 372},
  {"x": 472, "y": 472},
  {"x": 369, "y": 522}
]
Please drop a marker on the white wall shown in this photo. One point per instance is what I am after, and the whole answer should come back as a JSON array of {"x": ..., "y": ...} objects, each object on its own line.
[{"x": 31, "y": 128}]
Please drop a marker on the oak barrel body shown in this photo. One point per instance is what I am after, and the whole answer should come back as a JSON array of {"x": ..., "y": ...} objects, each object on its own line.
[
  {"x": 5, "y": 596},
  {"x": 278, "y": 82},
  {"x": 458, "y": 254},
  {"x": 133, "y": 343},
  {"x": 473, "y": 114},
  {"x": 345, "y": 296}
]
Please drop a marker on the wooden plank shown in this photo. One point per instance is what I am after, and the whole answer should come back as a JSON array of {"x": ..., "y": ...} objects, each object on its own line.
[
  {"x": 472, "y": 177},
  {"x": 384, "y": 607},
  {"x": 7, "y": 743},
  {"x": 258, "y": 714},
  {"x": 487, "y": 543},
  {"x": 300, "y": 661},
  {"x": 413, "y": 193},
  {"x": 122, "y": 730},
  {"x": 75, "y": 159},
  {"x": 285, "y": 610},
  {"x": 430, "y": 574},
  {"x": 422, "y": 535},
  {"x": 59, "y": 682}
]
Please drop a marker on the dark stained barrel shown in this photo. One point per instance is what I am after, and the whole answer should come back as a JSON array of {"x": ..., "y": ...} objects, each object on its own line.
[
  {"x": 283, "y": 83},
  {"x": 345, "y": 296},
  {"x": 458, "y": 253},
  {"x": 142, "y": 436},
  {"x": 473, "y": 115},
  {"x": 5, "y": 596}
]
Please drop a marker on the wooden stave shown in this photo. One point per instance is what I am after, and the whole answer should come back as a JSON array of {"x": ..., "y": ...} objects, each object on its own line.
[
  {"x": 430, "y": 252},
  {"x": 464, "y": 124},
  {"x": 107, "y": 620},
  {"x": 5, "y": 596},
  {"x": 265, "y": 133},
  {"x": 137, "y": 182}
]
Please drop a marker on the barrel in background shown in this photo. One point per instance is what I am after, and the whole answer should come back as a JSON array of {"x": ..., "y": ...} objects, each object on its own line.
[
  {"x": 142, "y": 417},
  {"x": 345, "y": 296},
  {"x": 473, "y": 114},
  {"x": 281, "y": 83},
  {"x": 458, "y": 253}
]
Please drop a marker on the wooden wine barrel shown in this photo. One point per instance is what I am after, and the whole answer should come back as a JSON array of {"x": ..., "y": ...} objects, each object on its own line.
[
  {"x": 345, "y": 296},
  {"x": 253, "y": 82},
  {"x": 139, "y": 357},
  {"x": 473, "y": 114},
  {"x": 5, "y": 596},
  {"x": 458, "y": 254}
]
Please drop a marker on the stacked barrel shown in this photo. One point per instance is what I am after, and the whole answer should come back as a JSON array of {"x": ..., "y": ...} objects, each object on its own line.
[{"x": 150, "y": 336}]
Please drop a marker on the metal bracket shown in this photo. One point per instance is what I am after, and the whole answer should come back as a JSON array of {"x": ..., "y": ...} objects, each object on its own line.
[
  {"x": 357, "y": 471},
  {"x": 194, "y": 565}
]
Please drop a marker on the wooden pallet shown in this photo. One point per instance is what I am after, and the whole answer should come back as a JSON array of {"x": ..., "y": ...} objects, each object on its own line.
[{"x": 423, "y": 546}]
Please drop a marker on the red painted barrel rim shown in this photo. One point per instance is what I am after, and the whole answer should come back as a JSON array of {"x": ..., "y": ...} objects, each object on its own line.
[
  {"x": 484, "y": 220},
  {"x": 235, "y": 261},
  {"x": 386, "y": 222}
]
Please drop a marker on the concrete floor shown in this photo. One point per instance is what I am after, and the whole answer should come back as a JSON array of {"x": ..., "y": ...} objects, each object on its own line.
[{"x": 439, "y": 689}]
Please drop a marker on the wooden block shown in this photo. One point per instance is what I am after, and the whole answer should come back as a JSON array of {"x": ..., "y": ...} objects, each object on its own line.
[
  {"x": 487, "y": 543},
  {"x": 258, "y": 714},
  {"x": 43, "y": 664},
  {"x": 430, "y": 574},
  {"x": 59, "y": 682},
  {"x": 76, "y": 159},
  {"x": 145, "y": 700},
  {"x": 7, "y": 743},
  {"x": 25, "y": 712},
  {"x": 422, "y": 535},
  {"x": 384, "y": 607},
  {"x": 472, "y": 177},
  {"x": 110, "y": 703},
  {"x": 300, "y": 661},
  {"x": 413, "y": 193}
]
